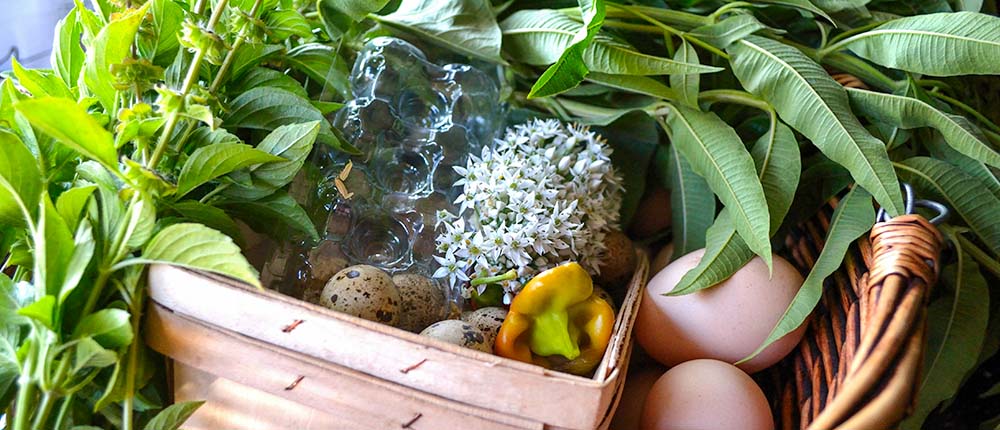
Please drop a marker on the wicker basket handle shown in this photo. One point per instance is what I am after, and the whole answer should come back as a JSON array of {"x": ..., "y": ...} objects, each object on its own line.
[{"x": 877, "y": 387}]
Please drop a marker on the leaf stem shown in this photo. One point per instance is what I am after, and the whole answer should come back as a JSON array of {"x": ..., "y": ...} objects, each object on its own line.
[
  {"x": 189, "y": 82},
  {"x": 735, "y": 97},
  {"x": 510, "y": 274},
  {"x": 63, "y": 411},
  {"x": 44, "y": 409},
  {"x": 671, "y": 30},
  {"x": 26, "y": 388},
  {"x": 968, "y": 109},
  {"x": 850, "y": 64},
  {"x": 714, "y": 16},
  {"x": 133, "y": 359},
  {"x": 835, "y": 41},
  {"x": 977, "y": 253}
]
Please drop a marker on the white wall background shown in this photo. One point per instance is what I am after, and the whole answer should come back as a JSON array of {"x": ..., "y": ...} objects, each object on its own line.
[{"x": 26, "y": 29}]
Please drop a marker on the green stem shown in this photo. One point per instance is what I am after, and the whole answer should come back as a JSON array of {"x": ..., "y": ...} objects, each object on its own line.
[
  {"x": 734, "y": 97},
  {"x": 850, "y": 64},
  {"x": 639, "y": 28},
  {"x": 189, "y": 82},
  {"x": 672, "y": 30},
  {"x": 838, "y": 42},
  {"x": 26, "y": 388},
  {"x": 682, "y": 20},
  {"x": 95, "y": 293},
  {"x": 133, "y": 362},
  {"x": 510, "y": 274},
  {"x": 979, "y": 255},
  {"x": 44, "y": 409},
  {"x": 726, "y": 7},
  {"x": 63, "y": 411},
  {"x": 969, "y": 110},
  {"x": 220, "y": 188},
  {"x": 231, "y": 55}
]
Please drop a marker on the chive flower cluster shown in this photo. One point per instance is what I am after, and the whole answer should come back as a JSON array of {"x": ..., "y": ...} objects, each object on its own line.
[{"x": 544, "y": 194}]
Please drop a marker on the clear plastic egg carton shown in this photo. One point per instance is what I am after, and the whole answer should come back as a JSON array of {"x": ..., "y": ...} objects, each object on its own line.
[{"x": 413, "y": 122}]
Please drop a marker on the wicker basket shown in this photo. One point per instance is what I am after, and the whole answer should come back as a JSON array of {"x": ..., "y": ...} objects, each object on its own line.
[{"x": 861, "y": 355}]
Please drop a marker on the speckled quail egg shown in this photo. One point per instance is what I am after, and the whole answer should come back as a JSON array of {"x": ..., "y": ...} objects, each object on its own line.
[
  {"x": 458, "y": 332},
  {"x": 365, "y": 292},
  {"x": 488, "y": 320},
  {"x": 618, "y": 261},
  {"x": 422, "y": 301},
  {"x": 602, "y": 293}
]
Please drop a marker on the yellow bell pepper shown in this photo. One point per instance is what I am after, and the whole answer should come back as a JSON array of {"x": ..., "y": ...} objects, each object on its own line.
[{"x": 557, "y": 322}]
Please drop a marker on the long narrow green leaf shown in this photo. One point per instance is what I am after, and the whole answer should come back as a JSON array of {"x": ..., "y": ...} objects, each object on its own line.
[
  {"x": 776, "y": 156},
  {"x": 974, "y": 203},
  {"x": 692, "y": 205},
  {"x": 940, "y": 150},
  {"x": 538, "y": 37},
  {"x": 908, "y": 112},
  {"x": 810, "y": 101},
  {"x": 569, "y": 70},
  {"x": 805, "y": 5},
  {"x": 717, "y": 154},
  {"x": 636, "y": 84},
  {"x": 956, "y": 329},
  {"x": 687, "y": 86},
  {"x": 938, "y": 44},
  {"x": 854, "y": 217},
  {"x": 725, "y": 32}
]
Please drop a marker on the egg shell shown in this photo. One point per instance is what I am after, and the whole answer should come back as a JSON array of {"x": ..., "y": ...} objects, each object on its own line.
[
  {"x": 365, "y": 292},
  {"x": 725, "y": 322},
  {"x": 488, "y": 320},
  {"x": 706, "y": 395},
  {"x": 653, "y": 213},
  {"x": 638, "y": 382},
  {"x": 422, "y": 302},
  {"x": 459, "y": 333},
  {"x": 618, "y": 261},
  {"x": 662, "y": 259}
]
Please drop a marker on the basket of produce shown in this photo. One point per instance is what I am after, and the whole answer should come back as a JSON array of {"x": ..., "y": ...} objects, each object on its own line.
[{"x": 268, "y": 214}]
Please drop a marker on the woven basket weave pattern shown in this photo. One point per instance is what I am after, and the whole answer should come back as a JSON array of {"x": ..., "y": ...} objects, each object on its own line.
[{"x": 857, "y": 366}]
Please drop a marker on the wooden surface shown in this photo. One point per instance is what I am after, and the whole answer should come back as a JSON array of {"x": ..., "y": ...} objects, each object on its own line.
[{"x": 361, "y": 357}]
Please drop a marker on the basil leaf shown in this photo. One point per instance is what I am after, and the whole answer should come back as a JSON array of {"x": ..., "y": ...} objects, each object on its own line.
[
  {"x": 195, "y": 246},
  {"x": 70, "y": 124},
  {"x": 111, "y": 46},
  {"x": 210, "y": 162}
]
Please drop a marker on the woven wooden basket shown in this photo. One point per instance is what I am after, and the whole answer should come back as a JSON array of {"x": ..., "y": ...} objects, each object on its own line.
[{"x": 861, "y": 355}]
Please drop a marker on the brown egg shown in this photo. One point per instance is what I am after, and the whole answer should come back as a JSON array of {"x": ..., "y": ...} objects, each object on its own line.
[
  {"x": 638, "y": 382},
  {"x": 662, "y": 259},
  {"x": 618, "y": 262},
  {"x": 653, "y": 214},
  {"x": 706, "y": 395},
  {"x": 726, "y": 322}
]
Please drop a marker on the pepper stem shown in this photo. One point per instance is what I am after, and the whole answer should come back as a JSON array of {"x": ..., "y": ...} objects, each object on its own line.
[
  {"x": 550, "y": 336},
  {"x": 510, "y": 274}
]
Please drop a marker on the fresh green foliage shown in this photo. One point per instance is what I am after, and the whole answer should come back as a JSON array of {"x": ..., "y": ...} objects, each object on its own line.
[
  {"x": 854, "y": 217},
  {"x": 957, "y": 330},
  {"x": 763, "y": 73},
  {"x": 115, "y": 160},
  {"x": 466, "y": 27}
]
